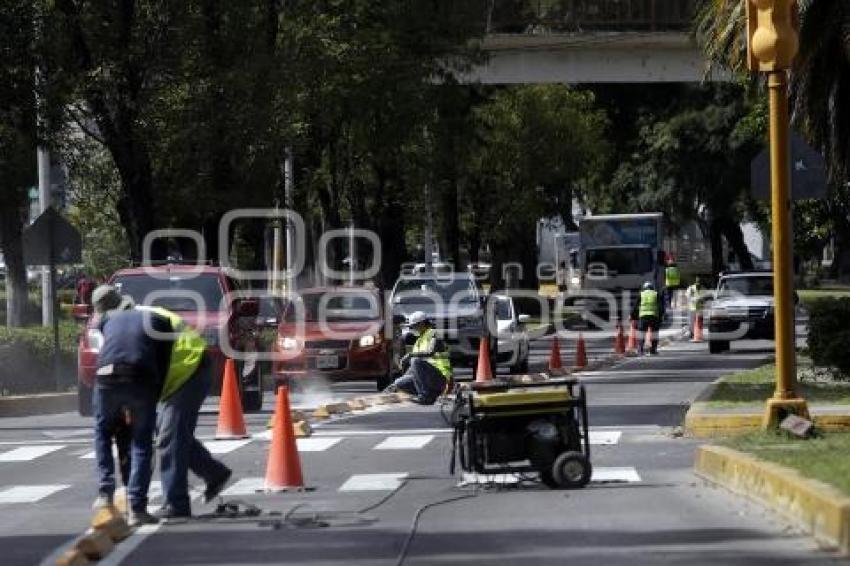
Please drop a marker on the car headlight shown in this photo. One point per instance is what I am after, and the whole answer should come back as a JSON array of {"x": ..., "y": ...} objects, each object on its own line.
[
  {"x": 370, "y": 340},
  {"x": 287, "y": 343},
  {"x": 94, "y": 339},
  {"x": 575, "y": 282}
]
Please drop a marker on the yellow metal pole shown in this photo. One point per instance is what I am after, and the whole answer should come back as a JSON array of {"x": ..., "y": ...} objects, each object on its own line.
[{"x": 785, "y": 399}]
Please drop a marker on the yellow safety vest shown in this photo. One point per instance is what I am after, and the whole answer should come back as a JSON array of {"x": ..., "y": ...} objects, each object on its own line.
[
  {"x": 694, "y": 301},
  {"x": 648, "y": 303},
  {"x": 439, "y": 360},
  {"x": 186, "y": 352},
  {"x": 671, "y": 276}
]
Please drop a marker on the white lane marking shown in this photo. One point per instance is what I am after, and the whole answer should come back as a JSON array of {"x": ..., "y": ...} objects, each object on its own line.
[
  {"x": 373, "y": 482},
  {"x": 404, "y": 442},
  {"x": 68, "y": 433},
  {"x": 615, "y": 475},
  {"x": 91, "y": 455},
  {"x": 605, "y": 437},
  {"x": 225, "y": 446},
  {"x": 265, "y": 435},
  {"x": 124, "y": 549},
  {"x": 27, "y": 453},
  {"x": 316, "y": 444},
  {"x": 29, "y": 493},
  {"x": 245, "y": 486},
  {"x": 391, "y": 432}
]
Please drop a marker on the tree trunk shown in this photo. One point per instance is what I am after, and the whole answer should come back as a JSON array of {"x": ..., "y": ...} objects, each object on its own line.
[
  {"x": 718, "y": 262},
  {"x": 451, "y": 230},
  {"x": 735, "y": 238},
  {"x": 11, "y": 226}
]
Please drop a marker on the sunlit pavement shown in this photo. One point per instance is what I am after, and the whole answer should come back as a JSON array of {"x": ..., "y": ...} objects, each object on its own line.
[{"x": 377, "y": 475}]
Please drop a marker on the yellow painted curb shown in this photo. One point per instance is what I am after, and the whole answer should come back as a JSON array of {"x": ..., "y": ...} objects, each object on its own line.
[
  {"x": 72, "y": 557},
  {"x": 701, "y": 422},
  {"x": 820, "y": 509}
]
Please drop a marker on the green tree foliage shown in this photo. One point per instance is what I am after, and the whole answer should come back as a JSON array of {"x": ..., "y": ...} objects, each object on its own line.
[{"x": 820, "y": 90}]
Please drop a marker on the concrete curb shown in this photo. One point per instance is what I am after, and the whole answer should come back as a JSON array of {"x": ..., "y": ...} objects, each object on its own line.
[
  {"x": 44, "y": 404},
  {"x": 820, "y": 509},
  {"x": 703, "y": 422}
]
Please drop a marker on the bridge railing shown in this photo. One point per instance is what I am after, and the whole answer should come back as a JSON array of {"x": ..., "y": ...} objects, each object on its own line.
[{"x": 576, "y": 16}]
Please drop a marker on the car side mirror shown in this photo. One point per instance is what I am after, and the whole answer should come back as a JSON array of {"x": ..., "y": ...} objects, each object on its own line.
[
  {"x": 248, "y": 307},
  {"x": 524, "y": 318},
  {"x": 80, "y": 312}
]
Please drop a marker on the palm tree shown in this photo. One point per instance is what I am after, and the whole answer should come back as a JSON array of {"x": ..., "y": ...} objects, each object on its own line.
[{"x": 820, "y": 88}]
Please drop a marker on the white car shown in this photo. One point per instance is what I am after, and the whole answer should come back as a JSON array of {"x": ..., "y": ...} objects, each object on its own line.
[{"x": 511, "y": 333}]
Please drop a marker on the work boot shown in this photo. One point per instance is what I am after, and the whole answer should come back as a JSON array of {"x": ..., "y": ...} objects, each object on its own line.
[
  {"x": 214, "y": 488},
  {"x": 170, "y": 516},
  {"x": 103, "y": 500},
  {"x": 139, "y": 518},
  {"x": 391, "y": 388}
]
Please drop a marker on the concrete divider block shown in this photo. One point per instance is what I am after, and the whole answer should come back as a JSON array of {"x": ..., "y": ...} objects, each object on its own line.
[
  {"x": 120, "y": 500},
  {"x": 95, "y": 545},
  {"x": 356, "y": 404},
  {"x": 321, "y": 412},
  {"x": 72, "y": 557},
  {"x": 302, "y": 429},
  {"x": 298, "y": 415},
  {"x": 116, "y": 529},
  {"x": 338, "y": 408}
]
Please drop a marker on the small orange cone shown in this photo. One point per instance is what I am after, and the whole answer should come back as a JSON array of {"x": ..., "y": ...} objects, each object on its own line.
[
  {"x": 555, "y": 355},
  {"x": 581, "y": 352},
  {"x": 698, "y": 337},
  {"x": 483, "y": 372},
  {"x": 231, "y": 421},
  {"x": 283, "y": 470},
  {"x": 619, "y": 341},
  {"x": 631, "y": 347}
]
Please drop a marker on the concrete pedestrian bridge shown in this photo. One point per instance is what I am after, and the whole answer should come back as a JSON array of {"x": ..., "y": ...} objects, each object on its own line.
[{"x": 590, "y": 41}]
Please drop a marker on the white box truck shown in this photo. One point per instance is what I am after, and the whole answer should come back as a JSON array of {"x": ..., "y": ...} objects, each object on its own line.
[{"x": 617, "y": 253}]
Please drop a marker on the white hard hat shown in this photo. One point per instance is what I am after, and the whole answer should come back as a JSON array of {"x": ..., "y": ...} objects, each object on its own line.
[
  {"x": 417, "y": 317},
  {"x": 647, "y": 285}
]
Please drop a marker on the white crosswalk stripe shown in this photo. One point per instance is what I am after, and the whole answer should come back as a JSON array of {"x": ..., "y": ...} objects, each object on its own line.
[
  {"x": 599, "y": 475},
  {"x": 373, "y": 482},
  {"x": 27, "y": 453},
  {"x": 225, "y": 446},
  {"x": 404, "y": 442},
  {"x": 29, "y": 493},
  {"x": 316, "y": 444}
]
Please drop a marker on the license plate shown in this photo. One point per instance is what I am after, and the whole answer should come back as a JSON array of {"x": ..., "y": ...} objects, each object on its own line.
[{"x": 327, "y": 362}]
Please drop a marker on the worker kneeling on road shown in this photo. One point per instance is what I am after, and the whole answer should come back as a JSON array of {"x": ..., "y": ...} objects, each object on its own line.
[
  {"x": 430, "y": 368},
  {"x": 131, "y": 367},
  {"x": 650, "y": 311}
]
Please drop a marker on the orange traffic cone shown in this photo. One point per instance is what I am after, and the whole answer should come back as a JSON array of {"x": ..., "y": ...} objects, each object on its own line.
[
  {"x": 483, "y": 372},
  {"x": 698, "y": 337},
  {"x": 619, "y": 341},
  {"x": 631, "y": 347},
  {"x": 555, "y": 355},
  {"x": 231, "y": 421},
  {"x": 283, "y": 470},
  {"x": 581, "y": 352}
]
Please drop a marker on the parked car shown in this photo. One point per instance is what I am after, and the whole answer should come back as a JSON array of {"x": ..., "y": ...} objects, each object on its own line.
[
  {"x": 742, "y": 308},
  {"x": 220, "y": 315},
  {"x": 456, "y": 305},
  {"x": 513, "y": 339},
  {"x": 338, "y": 333}
]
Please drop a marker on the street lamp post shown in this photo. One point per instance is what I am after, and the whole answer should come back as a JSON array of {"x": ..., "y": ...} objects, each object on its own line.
[{"x": 772, "y": 44}]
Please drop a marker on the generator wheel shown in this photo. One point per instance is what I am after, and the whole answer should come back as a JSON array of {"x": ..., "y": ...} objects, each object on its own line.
[{"x": 571, "y": 470}]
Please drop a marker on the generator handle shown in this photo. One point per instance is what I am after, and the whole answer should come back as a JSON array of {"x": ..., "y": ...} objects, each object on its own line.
[{"x": 498, "y": 385}]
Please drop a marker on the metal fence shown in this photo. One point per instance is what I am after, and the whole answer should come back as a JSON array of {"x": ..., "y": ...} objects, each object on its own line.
[{"x": 575, "y": 16}]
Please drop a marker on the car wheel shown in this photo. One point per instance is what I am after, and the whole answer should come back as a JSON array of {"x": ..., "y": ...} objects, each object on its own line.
[
  {"x": 571, "y": 470},
  {"x": 84, "y": 399}
]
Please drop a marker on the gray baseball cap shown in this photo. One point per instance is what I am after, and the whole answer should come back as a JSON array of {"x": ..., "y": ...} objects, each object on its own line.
[{"x": 106, "y": 298}]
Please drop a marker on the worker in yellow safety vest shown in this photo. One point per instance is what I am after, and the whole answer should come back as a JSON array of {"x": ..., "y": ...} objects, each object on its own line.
[
  {"x": 694, "y": 296},
  {"x": 650, "y": 310},
  {"x": 430, "y": 367},
  {"x": 187, "y": 383},
  {"x": 672, "y": 280}
]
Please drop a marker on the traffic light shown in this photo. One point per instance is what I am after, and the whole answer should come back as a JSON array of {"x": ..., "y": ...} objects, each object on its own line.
[{"x": 772, "y": 34}]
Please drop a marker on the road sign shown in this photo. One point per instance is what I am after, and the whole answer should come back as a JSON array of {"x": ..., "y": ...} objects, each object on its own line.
[
  {"x": 808, "y": 172},
  {"x": 50, "y": 225}
]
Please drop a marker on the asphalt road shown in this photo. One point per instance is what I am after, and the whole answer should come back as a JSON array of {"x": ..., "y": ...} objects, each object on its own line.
[{"x": 382, "y": 492}]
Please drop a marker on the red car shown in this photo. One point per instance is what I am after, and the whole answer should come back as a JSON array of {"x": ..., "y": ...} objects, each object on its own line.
[
  {"x": 204, "y": 296},
  {"x": 339, "y": 333}
]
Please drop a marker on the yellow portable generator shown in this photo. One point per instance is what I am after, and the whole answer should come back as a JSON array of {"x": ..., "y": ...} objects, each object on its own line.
[{"x": 503, "y": 428}]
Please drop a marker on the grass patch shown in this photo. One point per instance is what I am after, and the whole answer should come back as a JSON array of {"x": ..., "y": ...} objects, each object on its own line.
[
  {"x": 826, "y": 458},
  {"x": 755, "y": 385},
  {"x": 808, "y": 296}
]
